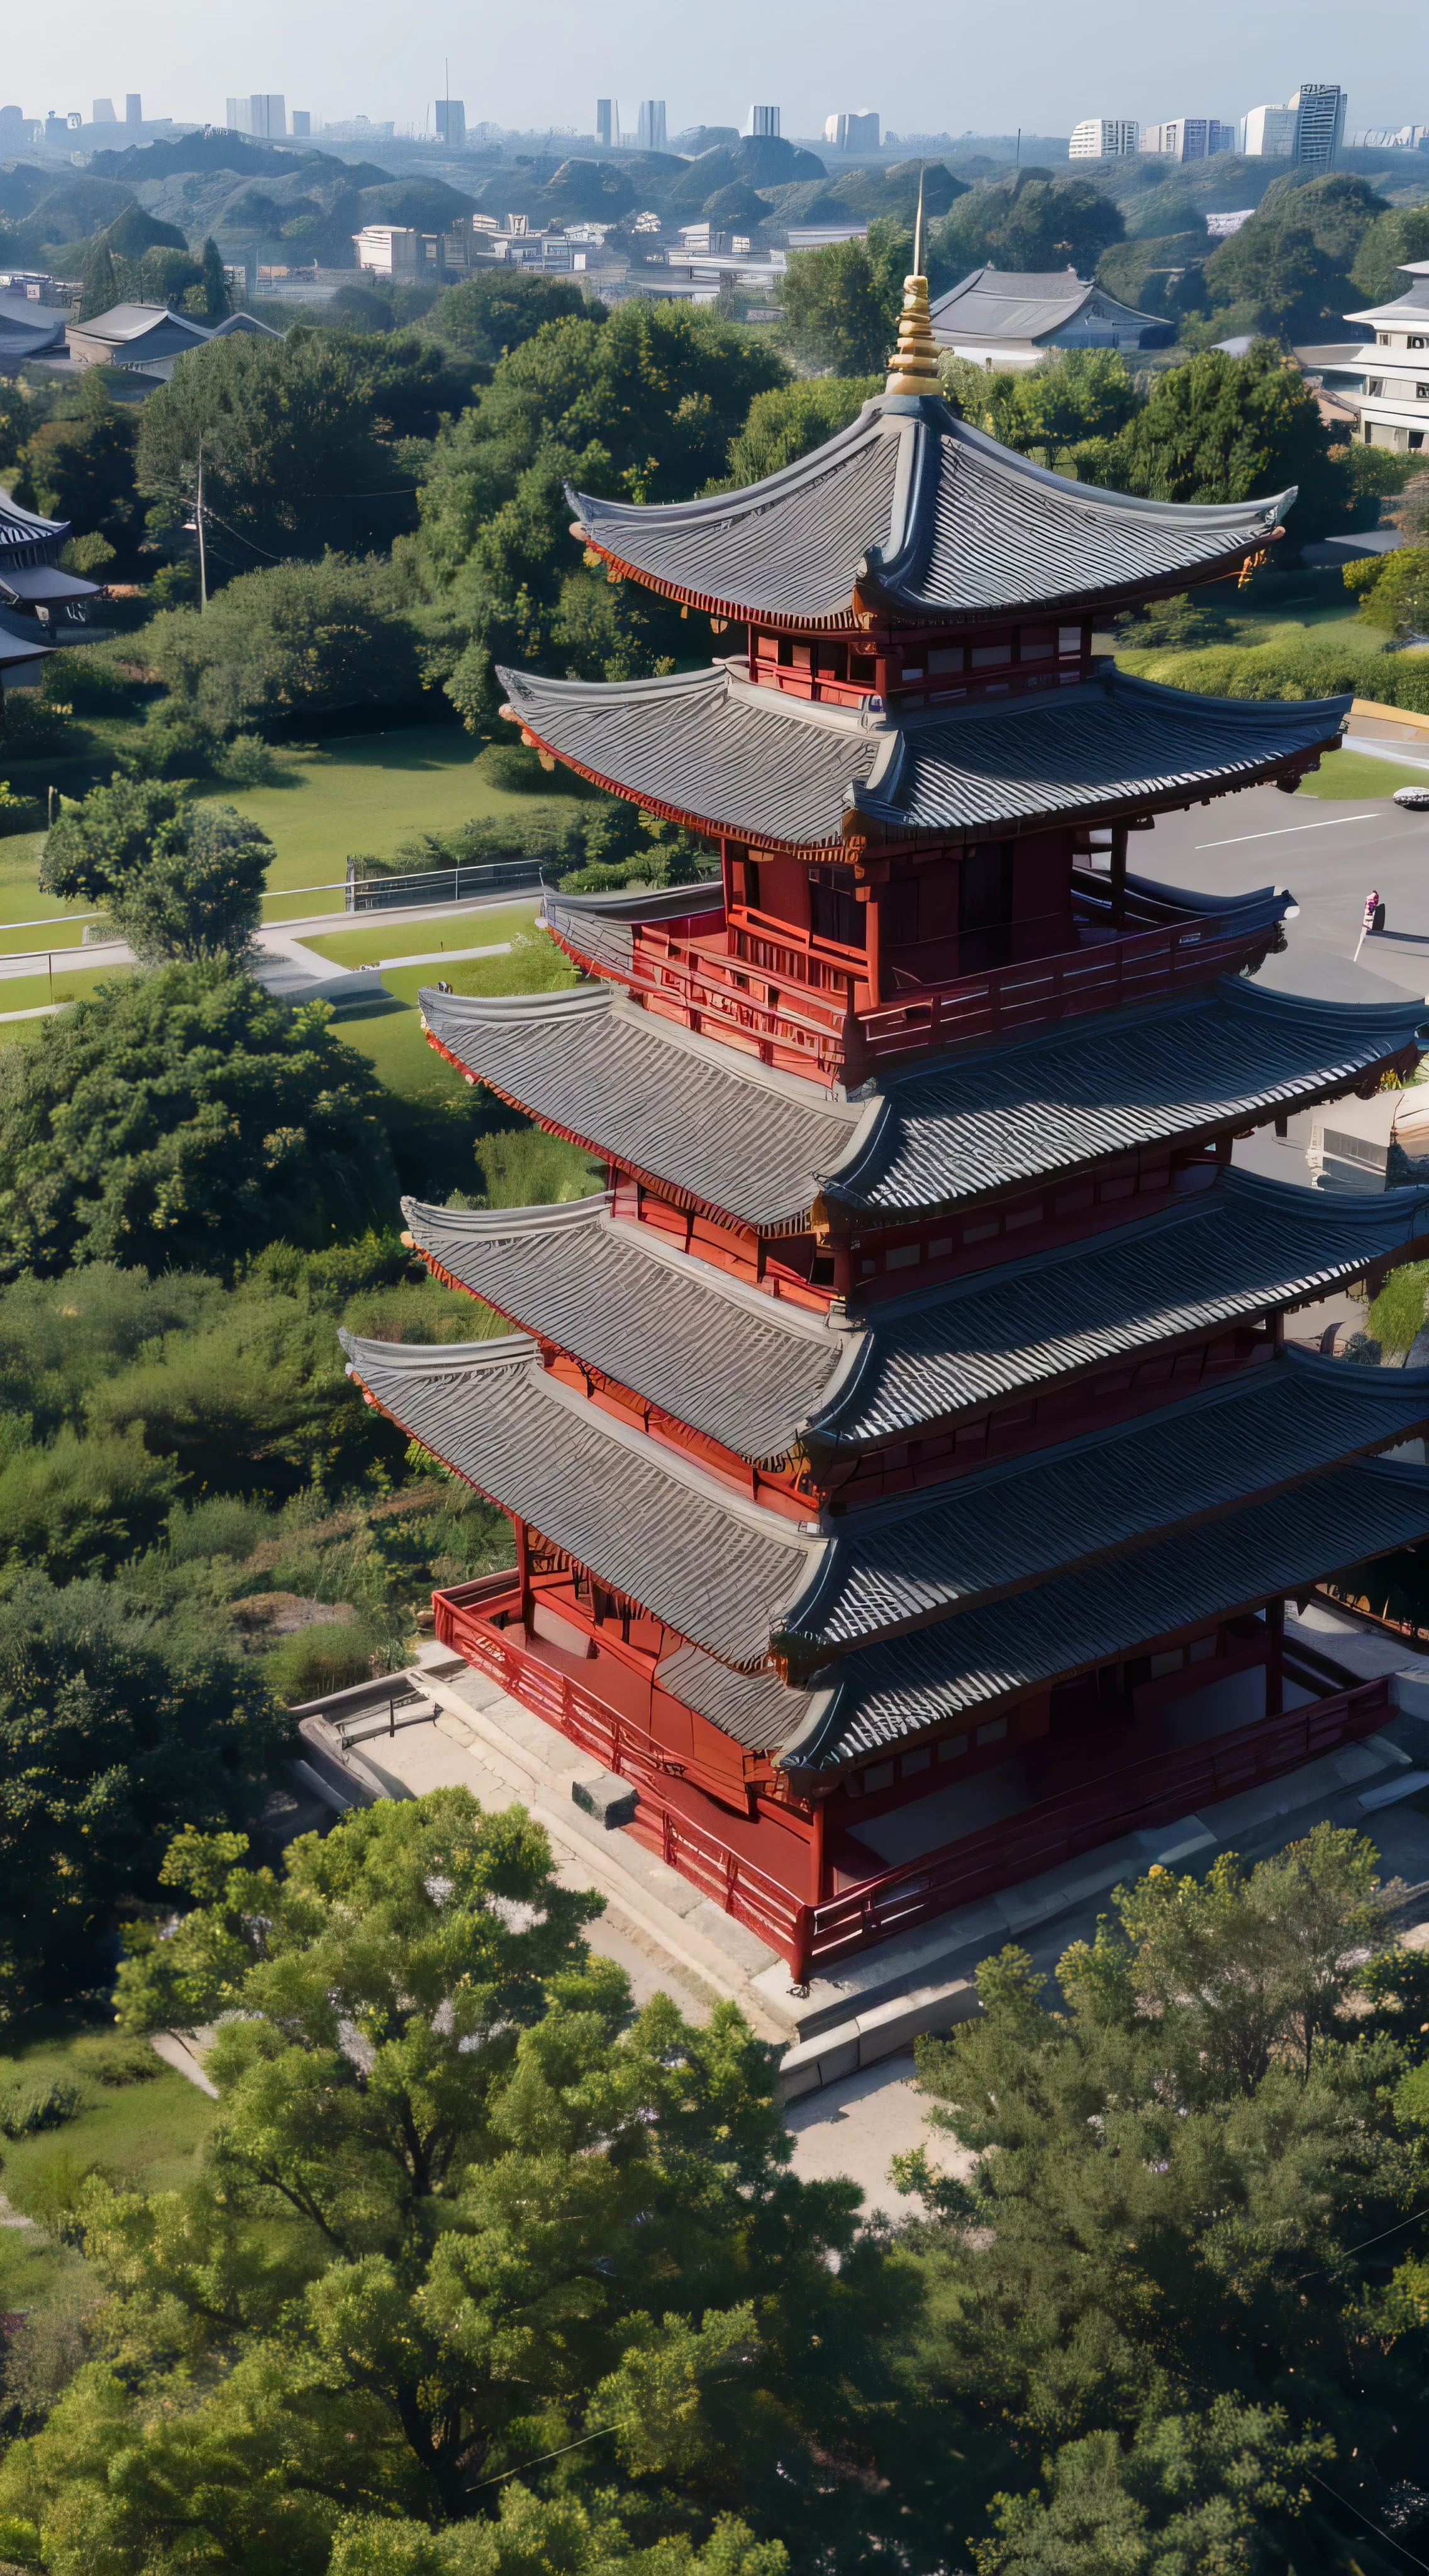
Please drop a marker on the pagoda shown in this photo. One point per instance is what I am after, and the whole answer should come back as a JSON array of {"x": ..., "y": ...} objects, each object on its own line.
[{"x": 907, "y": 1464}]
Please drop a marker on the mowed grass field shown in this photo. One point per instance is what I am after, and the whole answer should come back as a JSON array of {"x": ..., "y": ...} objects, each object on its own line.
[
  {"x": 1358, "y": 775},
  {"x": 478, "y": 927}
]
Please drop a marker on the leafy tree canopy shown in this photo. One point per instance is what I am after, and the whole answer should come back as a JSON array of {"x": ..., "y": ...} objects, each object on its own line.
[
  {"x": 641, "y": 405},
  {"x": 1287, "y": 271},
  {"x": 1151, "y": 2276},
  {"x": 178, "y": 879},
  {"x": 82, "y": 468},
  {"x": 1227, "y": 429},
  {"x": 487, "y": 315},
  {"x": 118, "y": 1728},
  {"x": 292, "y": 639},
  {"x": 461, "y": 2210},
  {"x": 1032, "y": 223},
  {"x": 1071, "y": 395},
  {"x": 185, "y": 1117},
  {"x": 292, "y": 459},
  {"x": 841, "y": 302},
  {"x": 790, "y": 422}
]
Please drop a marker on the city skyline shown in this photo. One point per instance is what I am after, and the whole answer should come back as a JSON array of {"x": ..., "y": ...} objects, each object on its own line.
[{"x": 950, "y": 73}]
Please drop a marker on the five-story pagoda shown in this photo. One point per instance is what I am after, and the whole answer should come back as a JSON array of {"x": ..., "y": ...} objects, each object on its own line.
[{"x": 907, "y": 1466}]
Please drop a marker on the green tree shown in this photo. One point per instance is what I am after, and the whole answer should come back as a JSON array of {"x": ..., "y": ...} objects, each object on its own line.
[
  {"x": 292, "y": 462},
  {"x": 290, "y": 640},
  {"x": 1398, "y": 596},
  {"x": 1397, "y": 1313},
  {"x": 641, "y": 406},
  {"x": 81, "y": 468},
  {"x": 1287, "y": 270},
  {"x": 1227, "y": 429},
  {"x": 841, "y": 303},
  {"x": 184, "y": 1116},
  {"x": 486, "y": 316},
  {"x": 117, "y": 1729},
  {"x": 1393, "y": 238},
  {"x": 461, "y": 2210},
  {"x": 790, "y": 422},
  {"x": 1156, "y": 2268},
  {"x": 216, "y": 298},
  {"x": 1032, "y": 222},
  {"x": 178, "y": 880}
]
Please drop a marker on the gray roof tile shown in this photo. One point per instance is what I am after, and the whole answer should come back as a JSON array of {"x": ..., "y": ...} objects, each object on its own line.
[
  {"x": 729, "y": 755},
  {"x": 922, "y": 511},
  {"x": 758, "y": 1147}
]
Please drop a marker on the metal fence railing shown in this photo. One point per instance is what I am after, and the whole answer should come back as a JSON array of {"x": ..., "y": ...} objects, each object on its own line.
[{"x": 441, "y": 885}]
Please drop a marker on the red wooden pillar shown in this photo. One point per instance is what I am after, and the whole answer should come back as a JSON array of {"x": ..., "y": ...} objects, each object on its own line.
[
  {"x": 873, "y": 946},
  {"x": 816, "y": 1853},
  {"x": 1275, "y": 1656},
  {"x": 523, "y": 1570}
]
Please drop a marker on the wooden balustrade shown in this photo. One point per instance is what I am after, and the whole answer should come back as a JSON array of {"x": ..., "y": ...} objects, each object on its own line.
[
  {"x": 1152, "y": 1792},
  {"x": 1043, "y": 989}
]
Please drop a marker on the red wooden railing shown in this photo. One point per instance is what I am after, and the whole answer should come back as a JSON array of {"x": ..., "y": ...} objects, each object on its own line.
[
  {"x": 1138, "y": 1795},
  {"x": 793, "y": 1008}
]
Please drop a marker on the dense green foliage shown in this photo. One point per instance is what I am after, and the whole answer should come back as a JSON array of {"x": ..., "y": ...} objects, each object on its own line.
[
  {"x": 177, "y": 879},
  {"x": 1070, "y": 396},
  {"x": 642, "y": 406},
  {"x": 81, "y": 466},
  {"x": 182, "y": 1117},
  {"x": 841, "y": 303},
  {"x": 1029, "y": 222},
  {"x": 485, "y": 316},
  {"x": 117, "y": 1729},
  {"x": 791, "y": 421},
  {"x": 1227, "y": 429},
  {"x": 290, "y": 640},
  {"x": 1393, "y": 238},
  {"x": 1287, "y": 271},
  {"x": 1394, "y": 590}
]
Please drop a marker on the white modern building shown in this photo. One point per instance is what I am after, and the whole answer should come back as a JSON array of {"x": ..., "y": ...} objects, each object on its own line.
[
  {"x": 762, "y": 120},
  {"x": 449, "y": 116},
  {"x": 1104, "y": 138},
  {"x": 104, "y": 112},
  {"x": 263, "y": 115},
  {"x": 650, "y": 126},
  {"x": 1309, "y": 129},
  {"x": 1189, "y": 138},
  {"x": 853, "y": 130},
  {"x": 1386, "y": 380}
]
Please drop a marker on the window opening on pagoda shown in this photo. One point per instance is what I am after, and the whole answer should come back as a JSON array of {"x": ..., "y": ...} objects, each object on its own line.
[{"x": 835, "y": 912}]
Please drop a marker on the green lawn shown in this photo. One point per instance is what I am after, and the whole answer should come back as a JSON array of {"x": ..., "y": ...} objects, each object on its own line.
[
  {"x": 1353, "y": 774},
  {"x": 415, "y": 938},
  {"x": 389, "y": 1033},
  {"x": 360, "y": 797},
  {"x": 146, "y": 2136},
  {"x": 67, "y": 983}
]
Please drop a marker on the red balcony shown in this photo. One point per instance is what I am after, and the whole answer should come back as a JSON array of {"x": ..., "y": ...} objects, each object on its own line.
[{"x": 752, "y": 1868}]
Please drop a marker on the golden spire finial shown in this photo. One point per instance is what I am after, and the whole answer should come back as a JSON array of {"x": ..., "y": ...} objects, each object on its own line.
[{"x": 913, "y": 367}]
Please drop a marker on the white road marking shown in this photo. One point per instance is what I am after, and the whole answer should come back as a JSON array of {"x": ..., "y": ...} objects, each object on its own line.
[{"x": 1286, "y": 828}]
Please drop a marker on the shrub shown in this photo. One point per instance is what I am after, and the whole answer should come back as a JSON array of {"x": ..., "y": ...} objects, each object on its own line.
[
  {"x": 83, "y": 678},
  {"x": 30, "y": 727},
  {"x": 245, "y": 762},
  {"x": 329, "y": 1657},
  {"x": 114, "y": 2059},
  {"x": 91, "y": 554},
  {"x": 40, "y": 2102}
]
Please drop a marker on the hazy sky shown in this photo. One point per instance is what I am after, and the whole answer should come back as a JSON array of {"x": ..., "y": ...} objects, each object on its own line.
[{"x": 923, "y": 66}]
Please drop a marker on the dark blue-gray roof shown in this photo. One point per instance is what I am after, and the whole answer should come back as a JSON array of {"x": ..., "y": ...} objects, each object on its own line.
[
  {"x": 917, "y": 512},
  {"x": 725, "y": 1574},
  {"x": 762, "y": 1148},
  {"x": 920, "y": 1684},
  {"x": 728, "y": 755},
  {"x": 762, "y": 1377}
]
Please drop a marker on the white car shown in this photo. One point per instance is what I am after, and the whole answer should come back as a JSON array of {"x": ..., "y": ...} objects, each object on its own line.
[{"x": 1415, "y": 798}]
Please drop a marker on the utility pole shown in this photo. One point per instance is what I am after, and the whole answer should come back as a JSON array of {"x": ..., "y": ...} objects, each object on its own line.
[{"x": 198, "y": 514}]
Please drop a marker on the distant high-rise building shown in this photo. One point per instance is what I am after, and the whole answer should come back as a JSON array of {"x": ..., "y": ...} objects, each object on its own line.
[
  {"x": 603, "y": 129},
  {"x": 133, "y": 107},
  {"x": 1188, "y": 138},
  {"x": 762, "y": 120},
  {"x": 302, "y": 123},
  {"x": 236, "y": 115},
  {"x": 852, "y": 130},
  {"x": 1319, "y": 123},
  {"x": 650, "y": 127},
  {"x": 1268, "y": 133},
  {"x": 451, "y": 122},
  {"x": 104, "y": 112},
  {"x": 267, "y": 115},
  {"x": 1104, "y": 138}
]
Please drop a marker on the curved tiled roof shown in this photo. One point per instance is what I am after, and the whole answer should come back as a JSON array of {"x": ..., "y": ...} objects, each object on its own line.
[
  {"x": 887, "y": 1693},
  {"x": 1009, "y": 304},
  {"x": 905, "y": 1564},
  {"x": 1246, "y": 1247},
  {"x": 25, "y": 538},
  {"x": 761, "y": 1376},
  {"x": 923, "y": 515},
  {"x": 645, "y": 1521},
  {"x": 601, "y": 926},
  {"x": 727, "y": 755},
  {"x": 701, "y": 1120}
]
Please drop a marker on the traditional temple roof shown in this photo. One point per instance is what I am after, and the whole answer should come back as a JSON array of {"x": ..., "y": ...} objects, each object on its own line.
[
  {"x": 727, "y": 1575},
  {"x": 646, "y": 1521},
  {"x": 726, "y": 755},
  {"x": 995, "y": 306},
  {"x": 763, "y": 1377},
  {"x": 708, "y": 1124},
  {"x": 912, "y": 513},
  {"x": 25, "y": 538},
  {"x": 887, "y": 1693}
]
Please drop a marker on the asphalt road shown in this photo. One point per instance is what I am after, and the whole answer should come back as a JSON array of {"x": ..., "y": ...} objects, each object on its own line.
[{"x": 1330, "y": 856}]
